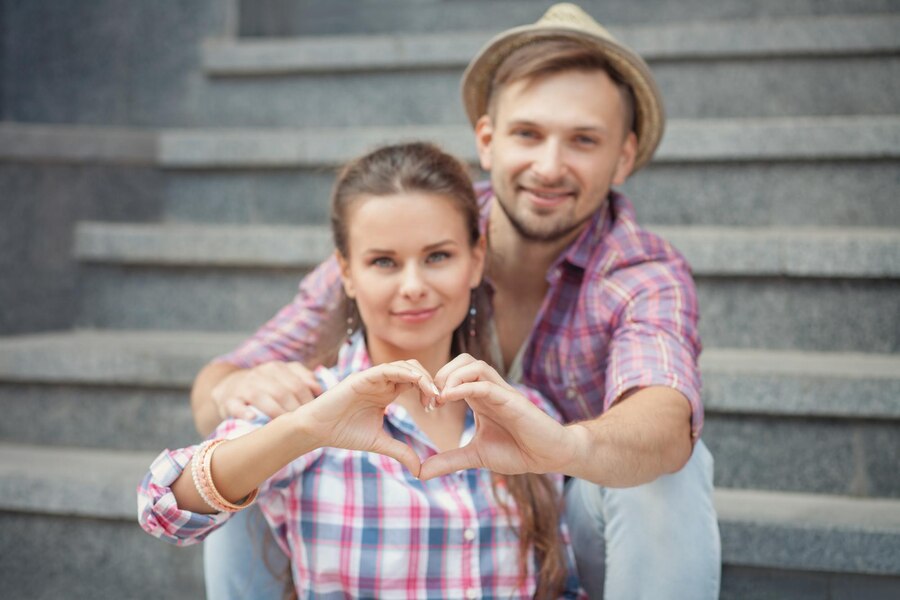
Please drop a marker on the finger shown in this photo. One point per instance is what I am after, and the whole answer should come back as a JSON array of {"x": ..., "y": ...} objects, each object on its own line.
[
  {"x": 460, "y": 361},
  {"x": 399, "y": 451},
  {"x": 449, "y": 461},
  {"x": 307, "y": 376},
  {"x": 287, "y": 389},
  {"x": 473, "y": 391},
  {"x": 428, "y": 392},
  {"x": 235, "y": 408},
  {"x": 264, "y": 383},
  {"x": 476, "y": 370},
  {"x": 266, "y": 404}
]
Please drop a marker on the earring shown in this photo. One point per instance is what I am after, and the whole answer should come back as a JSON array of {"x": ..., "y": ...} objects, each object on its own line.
[
  {"x": 350, "y": 323},
  {"x": 473, "y": 312}
]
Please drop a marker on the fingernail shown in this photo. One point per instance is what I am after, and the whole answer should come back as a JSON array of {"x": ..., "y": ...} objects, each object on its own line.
[{"x": 436, "y": 391}]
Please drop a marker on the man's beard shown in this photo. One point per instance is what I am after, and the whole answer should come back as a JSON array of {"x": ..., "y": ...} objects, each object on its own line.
[{"x": 532, "y": 234}]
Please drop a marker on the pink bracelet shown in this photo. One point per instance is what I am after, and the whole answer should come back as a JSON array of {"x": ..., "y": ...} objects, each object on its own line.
[
  {"x": 196, "y": 475},
  {"x": 218, "y": 502}
]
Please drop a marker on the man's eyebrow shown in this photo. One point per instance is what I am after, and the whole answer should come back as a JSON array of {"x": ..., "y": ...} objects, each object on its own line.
[{"x": 593, "y": 128}]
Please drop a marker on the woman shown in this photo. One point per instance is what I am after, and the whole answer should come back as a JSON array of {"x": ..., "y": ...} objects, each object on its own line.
[{"x": 337, "y": 478}]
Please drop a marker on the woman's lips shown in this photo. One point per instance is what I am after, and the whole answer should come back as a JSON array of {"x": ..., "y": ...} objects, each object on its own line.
[{"x": 415, "y": 316}]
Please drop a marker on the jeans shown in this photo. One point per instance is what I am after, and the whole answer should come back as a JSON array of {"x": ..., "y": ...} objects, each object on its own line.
[
  {"x": 654, "y": 541},
  {"x": 242, "y": 561}
]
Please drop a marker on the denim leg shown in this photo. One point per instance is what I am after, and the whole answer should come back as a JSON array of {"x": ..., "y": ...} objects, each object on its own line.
[
  {"x": 655, "y": 541},
  {"x": 233, "y": 563}
]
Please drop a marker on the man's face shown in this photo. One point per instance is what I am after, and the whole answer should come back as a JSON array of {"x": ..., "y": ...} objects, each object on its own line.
[{"x": 554, "y": 146}]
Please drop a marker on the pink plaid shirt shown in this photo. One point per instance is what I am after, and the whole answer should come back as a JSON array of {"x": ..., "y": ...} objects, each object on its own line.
[
  {"x": 621, "y": 313},
  {"x": 359, "y": 525}
]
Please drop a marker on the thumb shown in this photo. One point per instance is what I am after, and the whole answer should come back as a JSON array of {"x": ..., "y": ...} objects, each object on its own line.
[
  {"x": 399, "y": 451},
  {"x": 450, "y": 461}
]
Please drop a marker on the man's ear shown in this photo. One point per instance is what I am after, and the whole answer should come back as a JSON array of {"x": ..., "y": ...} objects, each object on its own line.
[
  {"x": 625, "y": 164},
  {"x": 345, "y": 274},
  {"x": 484, "y": 136},
  {"x": 479, "y": 252}
]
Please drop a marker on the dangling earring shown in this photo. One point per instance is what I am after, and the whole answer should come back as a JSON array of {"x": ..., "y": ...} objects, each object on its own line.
[
  {"x": 351, "y": 306},
  {"x": 473, "y": 312}
]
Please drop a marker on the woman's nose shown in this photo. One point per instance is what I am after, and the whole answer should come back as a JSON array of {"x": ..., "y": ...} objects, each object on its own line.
[{"x": 412, "y": 285}]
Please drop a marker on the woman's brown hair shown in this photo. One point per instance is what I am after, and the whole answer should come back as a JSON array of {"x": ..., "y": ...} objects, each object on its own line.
[{"x": 425, "y": 168}]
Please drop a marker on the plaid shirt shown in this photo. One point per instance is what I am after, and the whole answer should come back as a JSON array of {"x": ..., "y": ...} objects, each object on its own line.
[
  {"x": 621, "y": 313},
  {"x": 358, "y": 524}
]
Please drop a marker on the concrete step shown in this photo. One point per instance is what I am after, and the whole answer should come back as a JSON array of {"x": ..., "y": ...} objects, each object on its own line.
[
  {"x": 90, "y": 495},
  {"x": 733, "y": 172},
  {"x": 686, "y": 141},
  {"x": 763, "y": 288},
  {"x": 746, "y": 68},
  {"x": 781, "y": 174},
  {"x": 280, "y": 18},
  {"x": 74, "y": 511},
  {"x": 796, "y": 421}
]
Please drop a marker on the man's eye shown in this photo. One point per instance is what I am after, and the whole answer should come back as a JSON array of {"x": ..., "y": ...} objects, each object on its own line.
[
  {"x": 525, "y": 133},
  {"x": 438, "y": 256},
  {"x": 585, "y": 140}
]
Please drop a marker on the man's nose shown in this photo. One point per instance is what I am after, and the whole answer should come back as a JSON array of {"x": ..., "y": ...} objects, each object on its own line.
[{"x": 549, "y": 166}]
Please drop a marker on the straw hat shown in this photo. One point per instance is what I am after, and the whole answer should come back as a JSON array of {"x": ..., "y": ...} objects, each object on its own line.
[{"x": 568, "y": 20}]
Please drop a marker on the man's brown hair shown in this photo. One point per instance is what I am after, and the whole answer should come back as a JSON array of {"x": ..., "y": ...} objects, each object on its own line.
[{"x": 556, "y": 55}]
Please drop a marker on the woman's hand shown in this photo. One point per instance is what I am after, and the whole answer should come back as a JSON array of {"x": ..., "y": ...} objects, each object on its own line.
[
  {"x": 512, "y": 435},
  {"x": 351, "y": 414}
]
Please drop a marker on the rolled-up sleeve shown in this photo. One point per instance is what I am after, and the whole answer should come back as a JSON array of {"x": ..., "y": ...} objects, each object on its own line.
[{"x": 656, "y": 341}]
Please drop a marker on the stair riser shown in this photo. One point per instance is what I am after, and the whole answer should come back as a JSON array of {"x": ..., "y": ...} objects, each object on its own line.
[
  {"x": 48, "y": 557},
  {"x": 287, "y": 18},
  {"x": 97, "y": 417},
  {"x": 698, "y": 89},
  {"x": 828, "y": 193},
  {"x": 805, "y": 314},
  {"x": 825, "y": 456}
]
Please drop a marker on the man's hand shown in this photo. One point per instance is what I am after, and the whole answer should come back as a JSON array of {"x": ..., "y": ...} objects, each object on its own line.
[
  {"x": 351, "y": 414},
  {"x": 512, "y": 435},
  {"x": 274, "y": 388}
]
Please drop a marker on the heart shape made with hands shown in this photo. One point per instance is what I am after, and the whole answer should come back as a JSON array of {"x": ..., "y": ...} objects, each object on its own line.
[{"x": 512, "y": 434}]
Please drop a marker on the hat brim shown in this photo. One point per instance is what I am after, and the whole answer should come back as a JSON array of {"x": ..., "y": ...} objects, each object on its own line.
[{"x": 649, "y": 112}]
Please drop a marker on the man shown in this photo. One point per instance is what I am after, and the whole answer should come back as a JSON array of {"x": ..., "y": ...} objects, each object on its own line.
[{"x": 590, "y": 309}]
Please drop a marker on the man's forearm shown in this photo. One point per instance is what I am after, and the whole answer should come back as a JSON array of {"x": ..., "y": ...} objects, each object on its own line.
[
  {"x": 206, "y": 413},
  {"x": 641, "y": 437}
]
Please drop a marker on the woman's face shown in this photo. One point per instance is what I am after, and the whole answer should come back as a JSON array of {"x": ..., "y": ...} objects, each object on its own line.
[{"x": 410, "y": 269}]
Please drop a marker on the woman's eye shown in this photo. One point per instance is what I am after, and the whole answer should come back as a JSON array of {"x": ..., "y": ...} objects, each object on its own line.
[
  {"x": 383, "y": 262},
  {"x": 438, "y": 257}
]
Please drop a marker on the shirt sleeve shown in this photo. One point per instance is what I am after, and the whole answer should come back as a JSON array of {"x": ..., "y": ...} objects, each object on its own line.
[
  {"x": 655, "y": 341},
  {"x": 293, "y": 333},
  {"x": 158, "y": 510}
]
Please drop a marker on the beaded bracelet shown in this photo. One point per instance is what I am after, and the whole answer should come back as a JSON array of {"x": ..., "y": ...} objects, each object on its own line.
[
  {"x": 202, "y": 475},
  {"x": 196, "y": 467},
  {"x": 222, "y": 504}
]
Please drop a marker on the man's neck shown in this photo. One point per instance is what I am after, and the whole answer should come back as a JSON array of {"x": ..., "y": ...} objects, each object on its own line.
[{"x": 518, "y": 264}]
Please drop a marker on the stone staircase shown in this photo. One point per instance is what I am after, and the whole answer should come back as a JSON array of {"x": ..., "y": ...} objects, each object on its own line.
[{"x": 161, "y": 201}]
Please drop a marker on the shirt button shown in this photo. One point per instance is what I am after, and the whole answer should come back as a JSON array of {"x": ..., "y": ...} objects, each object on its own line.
[
  {"x": 471, "y": 593},
  {"x": 571, "y": 393},
  {"x": 469, "y": 534}
]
